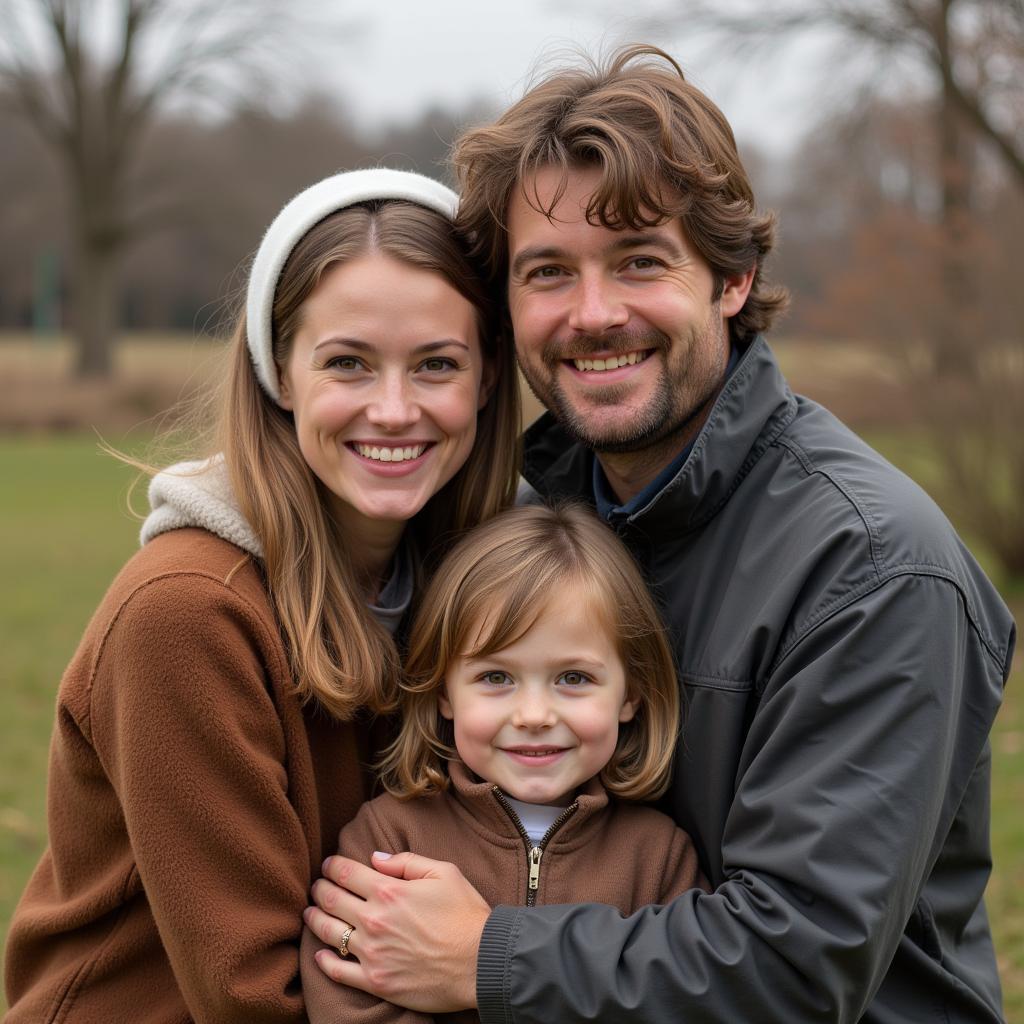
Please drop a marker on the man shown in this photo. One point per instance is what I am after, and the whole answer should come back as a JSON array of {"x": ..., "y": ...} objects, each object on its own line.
[{"x": 841, "y": 655}]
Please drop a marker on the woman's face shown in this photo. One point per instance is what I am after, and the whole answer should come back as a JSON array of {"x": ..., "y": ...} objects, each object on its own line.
[{"x": 385, "y": 378}]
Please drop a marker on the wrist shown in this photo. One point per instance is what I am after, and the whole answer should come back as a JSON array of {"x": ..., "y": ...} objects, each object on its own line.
[{"x": 468, "y": 989}]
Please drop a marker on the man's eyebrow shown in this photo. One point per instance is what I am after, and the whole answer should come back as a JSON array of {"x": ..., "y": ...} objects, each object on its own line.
[
  {"x": 648, "y": 240},
  {"x": 535, "y": 252}
]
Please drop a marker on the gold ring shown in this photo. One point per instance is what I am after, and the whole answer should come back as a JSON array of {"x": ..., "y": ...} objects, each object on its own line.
[{"x": 345, "y": 936}]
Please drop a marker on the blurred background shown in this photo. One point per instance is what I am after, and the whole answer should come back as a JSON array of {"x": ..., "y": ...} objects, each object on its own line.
[{"x": 145, "y": 145}]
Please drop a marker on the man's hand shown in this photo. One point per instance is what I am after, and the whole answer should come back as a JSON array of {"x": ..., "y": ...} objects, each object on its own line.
[{"x": 416, "y": 927}]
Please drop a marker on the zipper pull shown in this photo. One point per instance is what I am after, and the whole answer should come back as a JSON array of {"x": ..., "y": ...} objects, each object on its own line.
[{"x": 535, "y": 854}]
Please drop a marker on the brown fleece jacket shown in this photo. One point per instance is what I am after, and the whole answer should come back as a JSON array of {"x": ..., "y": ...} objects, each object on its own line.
[
  {"x": 606, "y": 851},
  {"x": 191, "y": 803}
]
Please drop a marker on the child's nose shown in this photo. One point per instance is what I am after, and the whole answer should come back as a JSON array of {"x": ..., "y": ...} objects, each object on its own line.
[{"x": 534, "y": 711}]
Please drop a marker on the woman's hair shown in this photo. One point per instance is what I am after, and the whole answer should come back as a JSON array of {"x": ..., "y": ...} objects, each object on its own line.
[
  {"x": 663, "y": 149},
  {"x": 340, "y": 655},
  {"x": 487, "y": 594}
]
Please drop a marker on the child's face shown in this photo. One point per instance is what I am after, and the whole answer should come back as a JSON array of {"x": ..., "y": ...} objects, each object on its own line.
[{"x": 541, "y": 717}]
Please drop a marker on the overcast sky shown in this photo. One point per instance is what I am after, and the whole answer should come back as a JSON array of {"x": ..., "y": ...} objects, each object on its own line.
[
  {"x": 408, "y": 54},
  {"x": 386, "y": 60}
]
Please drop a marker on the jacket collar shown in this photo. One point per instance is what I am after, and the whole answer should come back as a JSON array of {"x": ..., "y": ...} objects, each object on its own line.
[
  {"x": 753, "y": 408},
  {"x": 486, "y": 809}
]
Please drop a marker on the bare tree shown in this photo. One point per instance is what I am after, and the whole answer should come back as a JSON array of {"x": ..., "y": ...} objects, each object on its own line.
[
  {"x": 91, "y": 77},
  {"x": 972, "y": 49}
]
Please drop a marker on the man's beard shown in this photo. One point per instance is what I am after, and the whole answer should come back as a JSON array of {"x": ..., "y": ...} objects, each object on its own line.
[{"x": 670, "y": 413}]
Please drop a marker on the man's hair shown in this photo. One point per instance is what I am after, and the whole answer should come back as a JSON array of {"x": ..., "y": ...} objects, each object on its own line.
[
  {"x": 487, "y": 594},
  {"x": 663, "y": 148}
]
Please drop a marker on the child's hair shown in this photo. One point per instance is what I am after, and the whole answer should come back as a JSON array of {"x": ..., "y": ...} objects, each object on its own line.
[{"x": 487, "y": 593}]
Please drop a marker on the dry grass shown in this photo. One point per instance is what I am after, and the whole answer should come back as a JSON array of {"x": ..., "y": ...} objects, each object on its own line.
[{"x": 153, "y": 373}]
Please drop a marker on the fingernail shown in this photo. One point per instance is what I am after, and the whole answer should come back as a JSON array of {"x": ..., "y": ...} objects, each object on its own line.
[
  {"x": 306, "y": 913},
  {"x": 381, "y": 855},
  {"x": 323, "y": 867}
]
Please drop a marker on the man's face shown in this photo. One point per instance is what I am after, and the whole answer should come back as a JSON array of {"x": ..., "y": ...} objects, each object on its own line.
[{"x": 615, "y": 329}]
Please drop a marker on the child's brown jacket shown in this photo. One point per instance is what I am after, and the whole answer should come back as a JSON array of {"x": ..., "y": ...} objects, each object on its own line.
[{"x": 605, "y": 851}]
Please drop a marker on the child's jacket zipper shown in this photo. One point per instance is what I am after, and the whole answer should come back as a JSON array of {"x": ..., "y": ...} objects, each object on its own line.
[{"x": 534, "y": 853}]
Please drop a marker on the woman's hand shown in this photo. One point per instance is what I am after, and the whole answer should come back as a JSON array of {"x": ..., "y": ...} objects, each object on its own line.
[{"x": 416, "y": 927}]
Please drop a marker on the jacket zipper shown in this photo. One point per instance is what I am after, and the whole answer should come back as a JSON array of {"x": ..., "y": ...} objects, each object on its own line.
[{"x": 534, "y": 853}]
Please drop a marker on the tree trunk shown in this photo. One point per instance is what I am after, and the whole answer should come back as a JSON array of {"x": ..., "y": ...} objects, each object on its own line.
[
  {"x": 955, "y": 345},
  {"x": 94, "y": 302}
]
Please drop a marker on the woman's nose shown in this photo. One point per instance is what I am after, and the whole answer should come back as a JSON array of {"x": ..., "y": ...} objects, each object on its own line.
[{"x": 392, "y": 405}]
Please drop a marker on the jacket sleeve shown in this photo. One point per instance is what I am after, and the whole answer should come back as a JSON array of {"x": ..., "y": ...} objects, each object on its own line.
[
  {"x": 864, "y": 741},
  {"x": 187, "y": 731},
  {"x": 327, "y": 1002}
]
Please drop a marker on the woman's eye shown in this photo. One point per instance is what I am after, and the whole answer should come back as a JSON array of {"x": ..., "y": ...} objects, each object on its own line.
[
  {"x": 573, "y": 678},
  {"x": 495, "y": 678},
  {"x": 343, "y": 363},
  {"x": 438, "y": 364}
]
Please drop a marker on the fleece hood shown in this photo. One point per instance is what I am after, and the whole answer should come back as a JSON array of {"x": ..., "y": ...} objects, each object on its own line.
[{"x": 199, "y": 494}]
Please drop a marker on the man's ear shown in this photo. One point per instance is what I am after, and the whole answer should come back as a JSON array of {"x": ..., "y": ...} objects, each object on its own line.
[
  {"x": 734, "y": 294},
  {"x": 444, "y": 705}
]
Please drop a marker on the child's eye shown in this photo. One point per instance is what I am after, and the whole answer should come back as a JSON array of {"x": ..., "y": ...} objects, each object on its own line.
[
  {"x": 573, "y": 678},
  {"x": 495, "y": 678}
]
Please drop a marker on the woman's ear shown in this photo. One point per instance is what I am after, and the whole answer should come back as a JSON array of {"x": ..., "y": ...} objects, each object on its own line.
[{"x": 284, "y": 391}]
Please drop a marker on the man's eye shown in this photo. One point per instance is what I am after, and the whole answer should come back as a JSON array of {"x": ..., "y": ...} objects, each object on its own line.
[
  {"x": 545, "y": 273},
  {"x": 644, "y": 263}
]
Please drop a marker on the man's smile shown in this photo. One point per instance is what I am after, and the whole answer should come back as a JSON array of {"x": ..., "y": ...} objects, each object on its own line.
[{"x": 602, "y": 364}]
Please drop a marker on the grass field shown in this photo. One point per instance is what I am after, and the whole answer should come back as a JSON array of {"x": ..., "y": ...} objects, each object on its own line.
[{"x": 65, "y": 530}]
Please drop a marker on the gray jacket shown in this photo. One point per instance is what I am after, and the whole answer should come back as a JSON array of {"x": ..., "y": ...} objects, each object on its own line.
[{"x": 842, "y": 659}]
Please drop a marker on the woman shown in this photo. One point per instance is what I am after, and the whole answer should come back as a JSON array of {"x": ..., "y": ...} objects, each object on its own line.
[{"x": 212, "y": 727}]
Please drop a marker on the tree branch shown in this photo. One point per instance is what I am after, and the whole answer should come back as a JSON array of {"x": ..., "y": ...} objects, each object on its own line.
[
  {"x": 970, "y": 106},
  {"x": 885, "y": 26}
]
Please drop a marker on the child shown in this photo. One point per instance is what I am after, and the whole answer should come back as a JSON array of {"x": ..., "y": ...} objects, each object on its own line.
[{"x": 540, "y": 703}]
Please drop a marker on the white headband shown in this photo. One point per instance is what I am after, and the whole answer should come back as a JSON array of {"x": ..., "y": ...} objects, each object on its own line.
[{"x": 298, "y": 216}]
